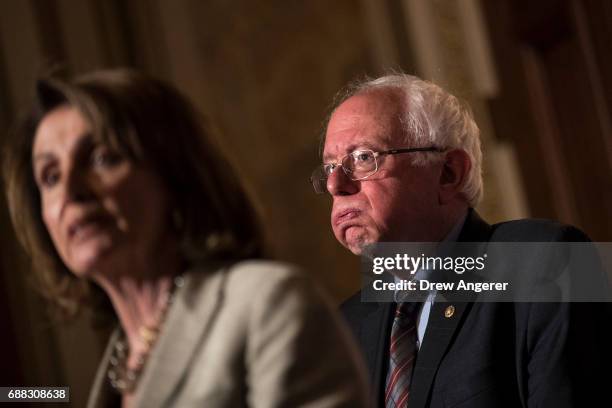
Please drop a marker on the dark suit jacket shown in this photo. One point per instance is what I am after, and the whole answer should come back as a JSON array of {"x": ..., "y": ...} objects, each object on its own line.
[{"x": 498, "y": 354}]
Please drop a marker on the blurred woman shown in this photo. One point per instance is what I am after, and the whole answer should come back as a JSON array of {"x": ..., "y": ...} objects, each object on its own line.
[{"x": 114, "y": 182}]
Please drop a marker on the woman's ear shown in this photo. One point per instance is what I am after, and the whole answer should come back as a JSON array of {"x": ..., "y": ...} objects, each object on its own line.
[{"x": 455, "y": 168}]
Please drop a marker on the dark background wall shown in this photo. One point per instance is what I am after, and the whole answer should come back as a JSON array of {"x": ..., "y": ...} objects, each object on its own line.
[{"x": 265, "y": 71}]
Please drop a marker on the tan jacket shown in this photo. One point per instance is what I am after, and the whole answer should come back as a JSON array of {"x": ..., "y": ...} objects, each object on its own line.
[{"x": 256, "y": 334}]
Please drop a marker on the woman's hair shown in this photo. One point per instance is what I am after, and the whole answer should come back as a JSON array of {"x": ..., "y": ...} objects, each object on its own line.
[{"x": 150, "y": 122}]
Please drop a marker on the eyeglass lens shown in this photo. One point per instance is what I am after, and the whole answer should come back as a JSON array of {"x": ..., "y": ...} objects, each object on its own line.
[
  {"x": 356, "y": 165},
  {"x": 359, "y": 164}
]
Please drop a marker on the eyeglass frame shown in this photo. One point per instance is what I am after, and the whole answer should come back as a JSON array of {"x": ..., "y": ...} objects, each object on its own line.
[{"x": 375, "y": 155}]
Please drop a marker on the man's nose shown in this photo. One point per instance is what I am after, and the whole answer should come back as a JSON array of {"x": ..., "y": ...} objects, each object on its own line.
[{"x": 338, "y": 183}]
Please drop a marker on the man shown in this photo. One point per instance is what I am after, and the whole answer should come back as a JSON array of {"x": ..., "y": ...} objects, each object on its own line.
[{"x": 402, "y": 162}]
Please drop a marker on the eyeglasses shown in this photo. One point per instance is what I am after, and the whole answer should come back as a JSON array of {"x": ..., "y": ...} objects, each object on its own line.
[{"x": 357, "y": 165}]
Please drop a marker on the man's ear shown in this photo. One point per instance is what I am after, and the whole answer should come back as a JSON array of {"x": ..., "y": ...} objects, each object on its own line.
[{"x": 455, "y": 168}]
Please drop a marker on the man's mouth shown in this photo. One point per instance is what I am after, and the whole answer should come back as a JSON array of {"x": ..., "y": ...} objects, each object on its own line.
[{"x": 345, "y": 215}]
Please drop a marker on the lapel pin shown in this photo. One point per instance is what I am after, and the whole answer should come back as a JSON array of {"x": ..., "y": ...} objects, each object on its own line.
[{"x": 449, "y": 311}]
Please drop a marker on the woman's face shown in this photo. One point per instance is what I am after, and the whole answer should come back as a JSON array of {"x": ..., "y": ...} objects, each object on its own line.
[{"x": 104, "y": 213}]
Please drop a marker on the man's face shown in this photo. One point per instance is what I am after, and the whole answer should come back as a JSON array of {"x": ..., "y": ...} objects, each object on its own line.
[{"x": 397, "y": 203}]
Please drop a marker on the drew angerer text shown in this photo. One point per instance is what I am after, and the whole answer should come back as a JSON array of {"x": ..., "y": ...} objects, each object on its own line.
[{"x": 425, "y": 285}]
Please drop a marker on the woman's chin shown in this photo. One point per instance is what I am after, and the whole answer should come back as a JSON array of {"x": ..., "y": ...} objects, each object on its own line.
[{"x": 89, "y": 261}]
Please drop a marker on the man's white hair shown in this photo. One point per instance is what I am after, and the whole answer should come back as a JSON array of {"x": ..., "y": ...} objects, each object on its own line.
[{"x": 431, "y": 117}]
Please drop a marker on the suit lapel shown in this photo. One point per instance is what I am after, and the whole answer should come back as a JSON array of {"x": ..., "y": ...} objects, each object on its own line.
[
  {"x": 193, "y": 310},
  {"x": 102, "y": 394},
  {"x": 438, "y": 337},
  {"x": 442, "y": 325}
]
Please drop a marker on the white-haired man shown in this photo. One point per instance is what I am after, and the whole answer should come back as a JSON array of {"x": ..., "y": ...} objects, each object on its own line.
[{"x": 402, "y": 162}]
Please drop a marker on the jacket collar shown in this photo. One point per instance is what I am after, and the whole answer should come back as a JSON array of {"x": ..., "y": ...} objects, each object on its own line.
[{"x": 193, "y": 310}]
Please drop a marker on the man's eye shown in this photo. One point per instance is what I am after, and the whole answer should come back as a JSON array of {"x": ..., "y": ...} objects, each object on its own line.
[{"x": 362, "y": 157}]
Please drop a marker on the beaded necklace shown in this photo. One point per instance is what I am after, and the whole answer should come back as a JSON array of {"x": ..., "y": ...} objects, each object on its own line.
[{"x": 122, "y": 378}]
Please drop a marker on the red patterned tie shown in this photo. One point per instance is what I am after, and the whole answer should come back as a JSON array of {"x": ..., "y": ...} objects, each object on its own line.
[{"x": 402, "y": 353}]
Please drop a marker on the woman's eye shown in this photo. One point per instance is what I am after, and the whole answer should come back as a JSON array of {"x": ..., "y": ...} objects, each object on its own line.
[
  {"x": 49, "y": 178},
  {"x": 102, "y": 156}
]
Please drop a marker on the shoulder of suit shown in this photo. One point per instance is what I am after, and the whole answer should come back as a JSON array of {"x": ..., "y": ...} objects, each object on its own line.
[
  {"x": 256, "y": 272},
  {"x": 253, "y": 284},
  {"x": 537, "y": 230},
  {"x": 354, "y": 309},
  {"x": 267, "y": 279}
]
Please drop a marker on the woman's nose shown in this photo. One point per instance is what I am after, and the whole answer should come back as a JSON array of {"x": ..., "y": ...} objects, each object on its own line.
[
  {"x": 338, "y": 183},
  {"x": 77, "y": 186}
]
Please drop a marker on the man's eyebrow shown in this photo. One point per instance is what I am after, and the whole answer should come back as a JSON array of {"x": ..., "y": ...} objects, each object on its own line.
[
  {"x": 327, "y": 158},
  {"x": 351, "y": 148}
]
